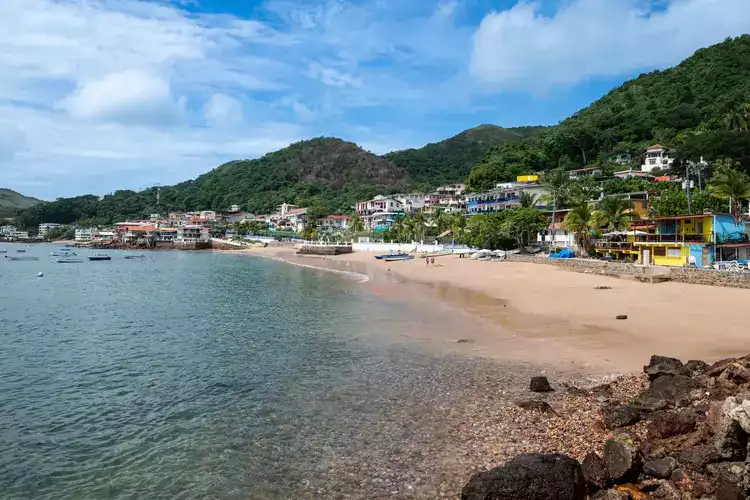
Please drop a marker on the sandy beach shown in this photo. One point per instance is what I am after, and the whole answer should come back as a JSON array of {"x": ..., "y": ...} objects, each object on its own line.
[{"x": 547, "y": 315}]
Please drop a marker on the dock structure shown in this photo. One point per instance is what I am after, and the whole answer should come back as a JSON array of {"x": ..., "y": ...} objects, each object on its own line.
[{"x": 324, "y": 249}]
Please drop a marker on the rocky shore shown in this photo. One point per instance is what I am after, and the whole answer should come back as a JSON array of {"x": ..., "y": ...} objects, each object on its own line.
[{"x": 678, "y": 432}]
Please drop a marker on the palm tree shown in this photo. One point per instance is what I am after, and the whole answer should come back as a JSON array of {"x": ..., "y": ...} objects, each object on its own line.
[
  {"x": 613, "y": 213},
  {"x": 579, "y": 222},
  {"x": 409, "y": 228},
  {"x": 738, "y": 119},
  {"x": 528, "y": 200},
  {"x": 418, "y": 220},
  {"x": 458, "y": 226},
  {"x": 733, "y": 185},
  {"x": 557, "y": 183},
  {"x": 356, "y": 224}
]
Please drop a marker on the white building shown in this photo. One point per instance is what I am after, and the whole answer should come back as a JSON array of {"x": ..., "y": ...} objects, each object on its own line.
[
  {"x": 12, "y": 233},
  {"x": 657, "y": 156},
  {"x": 284, "y": 208},
  {"x": 45, "y": 227},
  {"x": 193, "y": 234},
  {"x": 207, "y": 214},
  {"x": 379, "y": 204},
  {"x": 334, "y": 223},
  {"x": 85, "y": 233},
  {"x": 234, "y": 208},
  {"x": 410, "y": 202},
  {"x": 452, "y": 189}
]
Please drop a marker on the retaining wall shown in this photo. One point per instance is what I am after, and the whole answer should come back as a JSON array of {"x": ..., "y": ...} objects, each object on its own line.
[{"x": 710, "y": 277}]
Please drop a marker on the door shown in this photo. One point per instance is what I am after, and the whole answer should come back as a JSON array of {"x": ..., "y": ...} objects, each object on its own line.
[
  {"x": 704, "y": 259},
  {"x": 646, "y": 257}
]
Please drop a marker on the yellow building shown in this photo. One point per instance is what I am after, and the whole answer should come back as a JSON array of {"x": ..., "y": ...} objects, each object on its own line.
[{"x": 528, "y": 178}]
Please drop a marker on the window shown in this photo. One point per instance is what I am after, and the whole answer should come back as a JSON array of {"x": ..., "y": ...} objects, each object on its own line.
[
  {"x": 674, "y": 252},
  {"x": 700, "y": 228},
  {"x": 660, "y": 252}
]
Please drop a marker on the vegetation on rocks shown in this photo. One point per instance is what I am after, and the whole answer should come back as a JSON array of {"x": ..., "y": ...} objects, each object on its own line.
[{"x": 11, "y": 202}]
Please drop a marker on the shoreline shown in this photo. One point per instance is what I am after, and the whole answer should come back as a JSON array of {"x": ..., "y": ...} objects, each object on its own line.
[{"x": 551, "y": 315}]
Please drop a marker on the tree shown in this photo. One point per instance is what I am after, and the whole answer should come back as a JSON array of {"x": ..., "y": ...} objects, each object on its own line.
[
  {"x": 613, "y": 214},
  {"x": 738, "y": 119},
  {"x": 528, "y": 200},
  {"x": 458, "y": 226},
  {"x": 557, "y": 183},
  {"x": 579, "y": 222},
  {"x": 523, "y": 224},
  {"x": 309, "y": 232},
  {"x": 356, "y": 224},
  {"x": 487, "y": 231},
  {"x": 730, "y": 184}
]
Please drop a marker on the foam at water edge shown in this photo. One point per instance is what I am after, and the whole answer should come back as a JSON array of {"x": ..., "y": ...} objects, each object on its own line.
[{"x": 362, "y": 278}]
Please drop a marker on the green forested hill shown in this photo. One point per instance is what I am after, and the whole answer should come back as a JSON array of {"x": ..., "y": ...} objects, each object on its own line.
[
  {"x": 687, "y": 108},
  {"x": 451, "y": 160},
  {"x": 11, "y": 202},
  {"x": 325, "y": 174}
]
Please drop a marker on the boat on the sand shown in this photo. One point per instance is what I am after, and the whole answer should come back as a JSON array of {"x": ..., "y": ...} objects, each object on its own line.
[
  {"x": 397, "y": 257},
  {"x": 391, "y": 256}
]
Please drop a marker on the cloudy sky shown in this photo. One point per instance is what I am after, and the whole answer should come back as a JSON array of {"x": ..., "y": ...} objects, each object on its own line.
[{"x": 97, "y": 95}]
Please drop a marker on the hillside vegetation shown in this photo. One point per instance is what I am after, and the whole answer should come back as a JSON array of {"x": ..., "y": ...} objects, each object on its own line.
[
  {"x": 11, "y": 202},
  {"x": 688, "y": 108},
  {"x": 451, "y": 160}
]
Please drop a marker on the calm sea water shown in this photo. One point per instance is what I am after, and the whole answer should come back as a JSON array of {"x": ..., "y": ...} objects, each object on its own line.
[{"x": 199, "y": 375}]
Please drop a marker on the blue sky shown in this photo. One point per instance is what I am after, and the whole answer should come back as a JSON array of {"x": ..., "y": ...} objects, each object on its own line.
[{"x": 97, "y": 95}]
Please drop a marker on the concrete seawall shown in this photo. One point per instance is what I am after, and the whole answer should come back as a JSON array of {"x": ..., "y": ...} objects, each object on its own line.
[{"x": 647, "y": 274}]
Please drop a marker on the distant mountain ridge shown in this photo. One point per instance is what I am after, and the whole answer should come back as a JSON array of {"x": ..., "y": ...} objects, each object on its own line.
[{"x": 11, "y": 202}]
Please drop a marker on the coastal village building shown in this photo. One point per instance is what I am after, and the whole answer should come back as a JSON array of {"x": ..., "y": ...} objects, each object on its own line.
[
  {"x": 622, "y": 159},
  {"x": 208, "y": 215},
  {"x": 44, "y": 228},
  {"x": 12, "y": 233},
  {"x": 624, "y": 174},
  {"x": 696, "y": 240},
  {"x": 657, "y": 157},
  {"x": 379, "y": 204},
  {"x": 334, "y": 223},
  {"x": 410, "y": 203},
  {"x": 85, "y": 234},
  {"x": 193, "y": 234},
  {"x": 507, "y": 195},
  {"x": 584, "y": 172},
  {"x": 234, "y": 208}
]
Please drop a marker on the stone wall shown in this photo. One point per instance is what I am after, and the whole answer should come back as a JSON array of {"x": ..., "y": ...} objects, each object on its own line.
[
  {"x": 324, "y": 250},
  {"x": 710, "y": 277}
]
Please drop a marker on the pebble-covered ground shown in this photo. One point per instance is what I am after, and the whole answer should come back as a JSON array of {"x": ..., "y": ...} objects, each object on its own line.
[{"x": 437, "y": 442}]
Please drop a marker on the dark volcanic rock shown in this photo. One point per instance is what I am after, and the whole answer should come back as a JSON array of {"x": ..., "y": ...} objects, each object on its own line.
[
  {"x": 698, "y": 457},
  {"x": 647, "y": 403},
  {"x": 728, "y": 480},
  {"x": 594, "y": 472},
  {"x": 540, "y": 384},
  {"x": 676, "y": 389},
  {"x": 620, "y": 416},
  {"x": 737, "y": 373},
  {"x": 666, "y": 491},
  {"x": 662, "y": 365},
  {"x": 665, "y": 424},
  {"x": 622, "y": 458},
  {"x": 531, "y": 476},
  {"x": 534, "y": 405},
  {"x": 681, "y": 479},
  {"x": 621, "y": 316},
  {"x": 661, "y": 468},
  {"x": 694, "y": 367}
]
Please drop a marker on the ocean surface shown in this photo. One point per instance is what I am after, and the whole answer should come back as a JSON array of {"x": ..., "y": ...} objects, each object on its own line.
[{"x": 205, "y": 375}]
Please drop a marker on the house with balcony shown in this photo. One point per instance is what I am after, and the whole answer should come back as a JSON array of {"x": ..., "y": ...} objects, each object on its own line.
[
  {"x": 410, "y": 203},
  {"x": 584, "y": 172},
  {"x": 657, "y": 157},
  {"x": 193, "y": 234},
  {"x": 333, "y": 223},
  {"x": 686, "y": 240},
  {"x": 45, "y": 227},
  {"x": 379, "y": 204},
  {"x": 507, "y": 196},
  {"x": 85, "y": 234}
]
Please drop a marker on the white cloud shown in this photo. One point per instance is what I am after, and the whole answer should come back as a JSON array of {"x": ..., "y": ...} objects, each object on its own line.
[
  {"x": 221, "y": 110},
  {"x": 333, "y": 77},
  {"x": 131, "y": 97},
  {"x": 523, "y": 49},
  {"x": 12, "y": 141}
]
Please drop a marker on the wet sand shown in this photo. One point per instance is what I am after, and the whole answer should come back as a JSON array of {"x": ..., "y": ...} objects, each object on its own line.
[{"x": 545, "y": 314}]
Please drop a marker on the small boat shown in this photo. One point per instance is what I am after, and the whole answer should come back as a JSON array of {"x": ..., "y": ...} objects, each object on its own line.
[
  {"x": 3, "y": 251},
  {"x": 100, "y": 257},
  {"x": 22, "y": 258},
  {"x": 69, "y": 261},
  {"x": 391, "y": 256},
  {"x": 61, "y": 254},
  {"x": 135, "y": 256},
  {"x": 20, "y": 251},
  {"x": 397, "y": 257}
]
